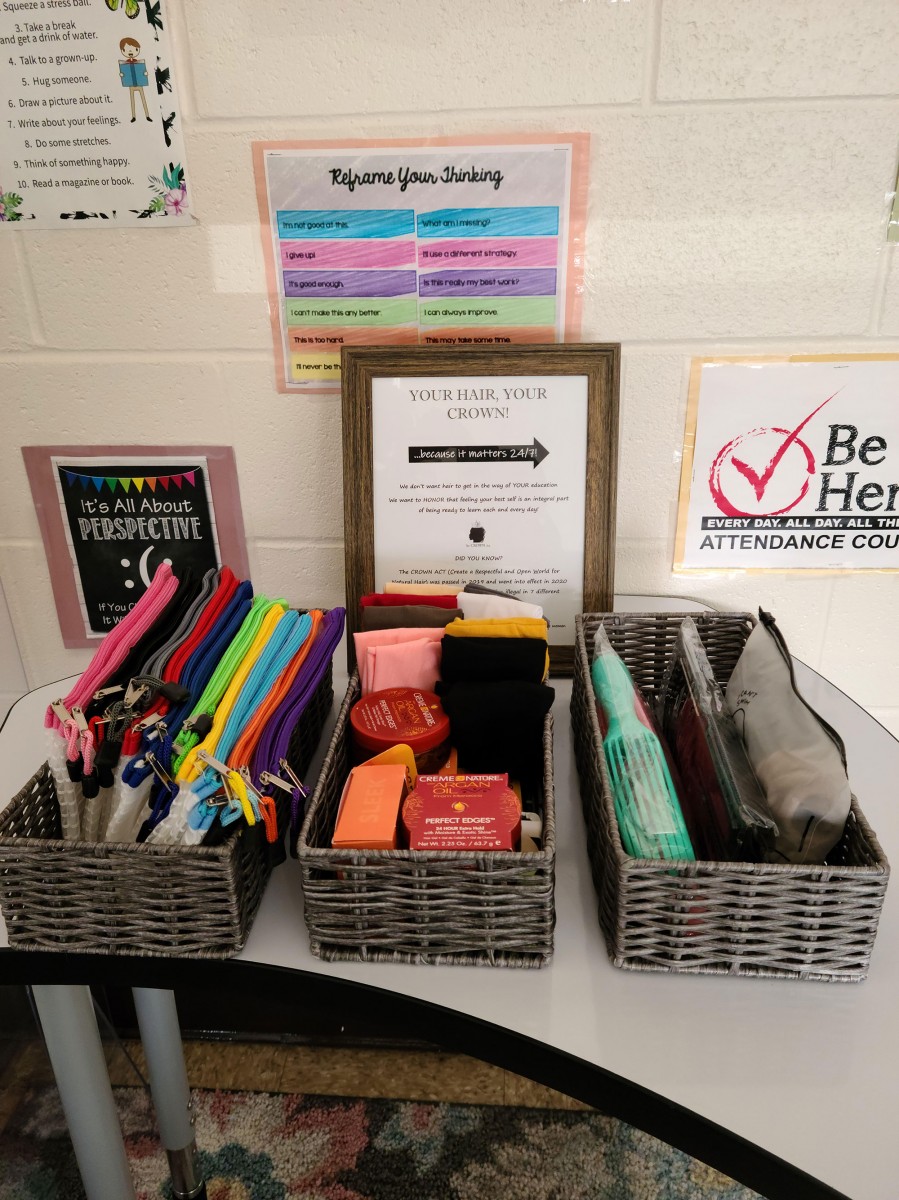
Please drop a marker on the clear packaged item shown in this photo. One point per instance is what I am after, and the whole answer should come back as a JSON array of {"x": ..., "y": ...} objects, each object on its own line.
[
  {"x": 723, "y": 803},
  {"x": 646, "y": 804}
]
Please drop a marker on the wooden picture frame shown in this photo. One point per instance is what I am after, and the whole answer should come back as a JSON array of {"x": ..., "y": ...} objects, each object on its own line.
[{"x": 365, "y": 367}]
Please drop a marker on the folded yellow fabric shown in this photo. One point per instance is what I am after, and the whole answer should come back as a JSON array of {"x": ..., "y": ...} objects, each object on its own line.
[
  {"x": 534, "y": 627},
  {"x": 529, "y": 627}
]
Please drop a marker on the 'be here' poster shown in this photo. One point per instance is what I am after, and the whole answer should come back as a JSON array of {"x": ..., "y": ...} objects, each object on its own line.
[{"x": 794, "y": 465}]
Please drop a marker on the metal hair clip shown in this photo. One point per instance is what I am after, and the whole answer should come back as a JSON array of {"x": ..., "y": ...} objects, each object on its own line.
[
  {"x": 60, "y": 710},
  {"x": 79, "y": 718}
]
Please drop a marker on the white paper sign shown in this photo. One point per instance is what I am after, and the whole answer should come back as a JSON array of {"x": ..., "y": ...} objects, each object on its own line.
[
  {"x": 90, "y": 123},
  {"x": 483, "y": 479},
  {"x": 795, "y": 466}
]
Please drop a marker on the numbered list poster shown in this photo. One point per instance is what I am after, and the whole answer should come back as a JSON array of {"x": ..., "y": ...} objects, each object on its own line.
[
  {"x": 90, "y": 123},
  {"x": 445, "y": 242}
]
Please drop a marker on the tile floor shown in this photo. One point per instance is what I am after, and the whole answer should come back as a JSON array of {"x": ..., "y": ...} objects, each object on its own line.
[{"x": 325, "y": 1071}]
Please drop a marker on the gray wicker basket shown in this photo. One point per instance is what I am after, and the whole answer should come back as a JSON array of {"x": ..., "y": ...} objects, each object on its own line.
[
  {"x": 136, "y": 898},
  {"x": 419, "y": 906},
  {"x": 793, "y": 922}
]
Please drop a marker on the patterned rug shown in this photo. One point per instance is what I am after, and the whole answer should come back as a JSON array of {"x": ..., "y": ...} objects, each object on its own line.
[{"x": 257, "y": 1146}]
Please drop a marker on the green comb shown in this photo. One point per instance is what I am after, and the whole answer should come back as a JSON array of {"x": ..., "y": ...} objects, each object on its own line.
[{"x": 649, "y": 814}]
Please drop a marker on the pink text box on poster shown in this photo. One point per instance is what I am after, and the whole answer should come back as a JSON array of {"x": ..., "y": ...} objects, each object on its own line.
[
  {"x": 373, "y": 253},
  {"x": 489, "y": 252}
]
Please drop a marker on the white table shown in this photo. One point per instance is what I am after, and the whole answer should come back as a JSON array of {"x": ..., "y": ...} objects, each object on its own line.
[{"x": 739, "y": 1072}]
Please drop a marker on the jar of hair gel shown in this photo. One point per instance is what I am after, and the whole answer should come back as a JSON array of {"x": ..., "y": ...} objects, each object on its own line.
[{"x": 402, "y": 715}]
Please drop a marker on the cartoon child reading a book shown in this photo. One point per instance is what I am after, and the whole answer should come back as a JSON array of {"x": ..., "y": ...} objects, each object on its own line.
[{"x": 133, "y": 73}]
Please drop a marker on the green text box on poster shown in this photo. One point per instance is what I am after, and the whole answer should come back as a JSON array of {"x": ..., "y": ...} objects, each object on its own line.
[
  {"x": 519, "y": 310},
  {"x": 402, "y": 311}
]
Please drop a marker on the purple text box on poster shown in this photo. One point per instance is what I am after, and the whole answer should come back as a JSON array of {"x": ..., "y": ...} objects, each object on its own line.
[
  {"x": 507, "y": 282},
  {"x": 349, "y": 283}
]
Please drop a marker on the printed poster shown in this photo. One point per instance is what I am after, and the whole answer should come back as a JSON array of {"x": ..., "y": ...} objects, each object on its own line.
[
  {"x": 110, "y": 515},
  {"x": 90, "y": 124},
  {"x": 791, "y": 465},
  {"x": 483, "y": 479},
  {"x": 444, "y": 242},
  {"x": 121, "y": 525}
]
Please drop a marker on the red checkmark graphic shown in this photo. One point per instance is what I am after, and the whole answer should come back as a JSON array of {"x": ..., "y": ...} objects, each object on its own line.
[{"x": 760, "y": 482}]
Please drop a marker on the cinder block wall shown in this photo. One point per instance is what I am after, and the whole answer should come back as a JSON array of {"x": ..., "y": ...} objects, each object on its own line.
[{"x": 742, "y": 153}]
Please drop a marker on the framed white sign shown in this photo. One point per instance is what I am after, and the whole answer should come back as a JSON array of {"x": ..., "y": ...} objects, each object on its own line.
[{"x": 492, "y": 466}]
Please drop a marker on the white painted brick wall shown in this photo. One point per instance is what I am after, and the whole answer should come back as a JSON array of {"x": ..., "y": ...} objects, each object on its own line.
[
  {"x": 748, "y": 49},
  {"x": 742, "y": 154},
  {"x": 326, "y": 57}
]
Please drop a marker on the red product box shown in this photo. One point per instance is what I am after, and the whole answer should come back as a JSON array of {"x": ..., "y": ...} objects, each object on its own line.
[{"x": 462, "y": 812}]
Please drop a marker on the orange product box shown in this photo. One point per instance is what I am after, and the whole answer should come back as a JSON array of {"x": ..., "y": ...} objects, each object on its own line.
[
  {"x": 462, "y": 812},
  {"x": 369, "y": 808}
]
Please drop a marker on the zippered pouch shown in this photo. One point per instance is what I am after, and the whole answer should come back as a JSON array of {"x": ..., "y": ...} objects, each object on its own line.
[{"x": 798, "y": 758}]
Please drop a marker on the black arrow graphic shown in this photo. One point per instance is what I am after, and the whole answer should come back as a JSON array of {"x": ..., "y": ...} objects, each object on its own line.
[{"x": 535, "y": 453}]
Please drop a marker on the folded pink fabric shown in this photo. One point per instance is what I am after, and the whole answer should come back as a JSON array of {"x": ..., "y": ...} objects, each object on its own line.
[
  {"x": 387, "y": 637},
  {"x": 407, "y": 664}
]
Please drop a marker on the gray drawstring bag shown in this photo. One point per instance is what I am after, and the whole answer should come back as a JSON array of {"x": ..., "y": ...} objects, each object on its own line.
[{"x": 798, "y": 759}]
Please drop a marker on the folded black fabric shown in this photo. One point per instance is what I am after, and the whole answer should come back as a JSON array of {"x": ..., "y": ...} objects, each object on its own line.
[
  {"x": 407, "y": 616},
  {"x": 492, "y": 659},
  {"x": 498, "y": 726}
]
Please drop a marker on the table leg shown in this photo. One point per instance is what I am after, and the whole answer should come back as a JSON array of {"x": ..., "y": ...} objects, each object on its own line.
[
  {"x": 73, "y": 1042},
  {"x": 161, "y": 1037}
]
